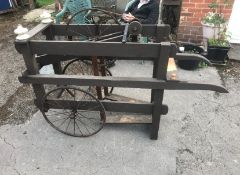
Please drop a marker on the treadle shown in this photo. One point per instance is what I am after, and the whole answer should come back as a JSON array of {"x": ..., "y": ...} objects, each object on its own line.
[
  {"x": 115, "y": 97},
  {"x": 124, "y": 118}
]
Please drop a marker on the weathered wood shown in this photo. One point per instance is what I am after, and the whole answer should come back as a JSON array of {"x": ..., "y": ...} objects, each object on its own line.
[
  {"x": 162, "y": 34},
  {"x": 50, "y": 59},
  {"x": 90, "y": 29},
  {"x": 39, "y": 28},
  {"x": 116, "y": 118},
  {"x": 79, "y": 48},
  {"x": 157, "y": 94},
  {"x": 96, "y": 73},
  {"x": 137, "y": 82},
  {"x": 56, "y": 65},
  {"x": 32, "y": 69},
  {"x": 140, "y": 108}
]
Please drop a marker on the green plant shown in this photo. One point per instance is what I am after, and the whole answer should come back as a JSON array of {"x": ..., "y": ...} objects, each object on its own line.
[
  {"x": 222, "y": 39},
  {"x": 41, "y": 3},
  {"x": 215, "y": 17}
]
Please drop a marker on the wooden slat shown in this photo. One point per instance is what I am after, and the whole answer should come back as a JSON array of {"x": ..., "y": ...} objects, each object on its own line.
[
  {"x": 39, "y": 28},
  {"x": 89, "y": 29},
  {"x": 116, "y": 118},
  {"x": 142, "y": 108},
  {"x": 136, "y": 82},
  {"x": 95, "y": 49}
]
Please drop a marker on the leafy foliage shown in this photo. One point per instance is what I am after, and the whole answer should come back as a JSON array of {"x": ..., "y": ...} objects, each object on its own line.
[
  {"x": 215, "y": 17},
  {"x": 41, "y": 3}
]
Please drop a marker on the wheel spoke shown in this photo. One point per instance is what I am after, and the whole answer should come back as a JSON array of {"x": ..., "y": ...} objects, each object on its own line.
[
  {"x": 74, "y": 121},
  {"x": 58, "y": 120},
  {"x": 77, "y": 33},
  {"x": 55, "y": 113},
  {"x": 83, "y": 116},
  {"x": 83, "y": 125},
  {"x": 57, "y": 104},
  {"x": 68, "y": 124},
  {"x": 79, "y": 128},
  {"x": 63, "y": 122}
]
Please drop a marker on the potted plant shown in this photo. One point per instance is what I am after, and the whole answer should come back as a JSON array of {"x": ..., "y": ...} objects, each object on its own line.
[
  {"x": 218, "y": 48},
  {"x": 214, "y": 21}
]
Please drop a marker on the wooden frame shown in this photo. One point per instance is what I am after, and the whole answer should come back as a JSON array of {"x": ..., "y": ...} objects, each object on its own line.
[{"x": 37, "y": 53}]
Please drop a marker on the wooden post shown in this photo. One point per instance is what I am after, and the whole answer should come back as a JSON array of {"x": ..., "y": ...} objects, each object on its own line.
[
  {"x": 103, "y": 73},
  {"x": 159, "y": 72},
  {"x": 32, "y": 69},
  {"x": 96, "y": 73},
  {"x": 50, "y": 36}
]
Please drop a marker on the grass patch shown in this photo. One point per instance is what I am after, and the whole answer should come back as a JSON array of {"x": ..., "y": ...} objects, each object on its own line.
[{"x": 41, "y": 3}]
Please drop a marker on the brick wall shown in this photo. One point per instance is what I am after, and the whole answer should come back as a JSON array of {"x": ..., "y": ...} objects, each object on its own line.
[{"x": 190, "y": 28}]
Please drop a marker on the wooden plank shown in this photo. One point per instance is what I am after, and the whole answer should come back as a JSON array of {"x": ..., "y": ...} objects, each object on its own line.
[
  {"x": 90, "y": 29},
  {"x": 116, "y": 97},
  {"x": 39, "y": 28},
  {"x": 136, "y": 82},
  {"x": 124, "y": 118},
  {"x": 142, "y": 108},
  {"x": 50, "y": 59},
  {"x": 79, "y": 48}
]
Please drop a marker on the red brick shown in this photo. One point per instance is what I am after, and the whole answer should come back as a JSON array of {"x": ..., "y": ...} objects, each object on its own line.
[
  {"x": 189, "y": 5},
  {"x": 201, "y": 5}
]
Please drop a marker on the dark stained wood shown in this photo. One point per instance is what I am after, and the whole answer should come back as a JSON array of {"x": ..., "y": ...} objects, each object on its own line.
[
  {"x": 50, "y": 59},
  {"x": 50, "y": 36},
  {"x": 52, "y": 52},
  {"x": 96, "y": 73},
  {"x": 157, "y": 94},
  {"x": 32, "y": 69},
  {"x": 95, "y": 49},
  {"x": 117, "y": 106},
  {"x": 89, "y": 29},
  {"x": 143, "y": 83}
]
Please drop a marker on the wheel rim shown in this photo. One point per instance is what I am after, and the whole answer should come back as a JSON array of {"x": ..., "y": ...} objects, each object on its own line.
[
  {"x": 80, "y": 67},
  {"x": 64, "y": 113},
  {"x": 101, "y": 31}
]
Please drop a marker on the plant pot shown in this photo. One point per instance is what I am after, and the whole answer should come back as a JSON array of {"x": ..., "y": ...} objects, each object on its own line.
[
  {"x": 210, "y": 31},
  {"x": 217, "y": 54},
  {"x": 190, "y": 64}
]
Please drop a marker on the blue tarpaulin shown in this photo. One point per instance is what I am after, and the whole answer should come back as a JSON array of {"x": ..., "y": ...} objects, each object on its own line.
[{"x": 5, "y": 5}]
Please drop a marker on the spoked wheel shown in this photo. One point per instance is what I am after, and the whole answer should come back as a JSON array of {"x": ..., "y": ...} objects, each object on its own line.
[
  {"x": 77, "y": 114},
  {"x": 78, "y": 67},
  {"x": 84, "y": 67},
  {"x": 97, "y": 17}
]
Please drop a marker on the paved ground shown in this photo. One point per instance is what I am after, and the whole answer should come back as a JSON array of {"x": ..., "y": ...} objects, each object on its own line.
[
  {"x": 196, "y": 137},
  {"x": 199, "y": 135}
]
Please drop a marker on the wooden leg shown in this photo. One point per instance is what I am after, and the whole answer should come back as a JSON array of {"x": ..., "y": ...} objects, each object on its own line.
[
  {"x": 103, "y": 72},
  {"x": 57, "y": 68},
  {"x": 157, "y": 111},
  {"x": 96, "y": 73}
]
